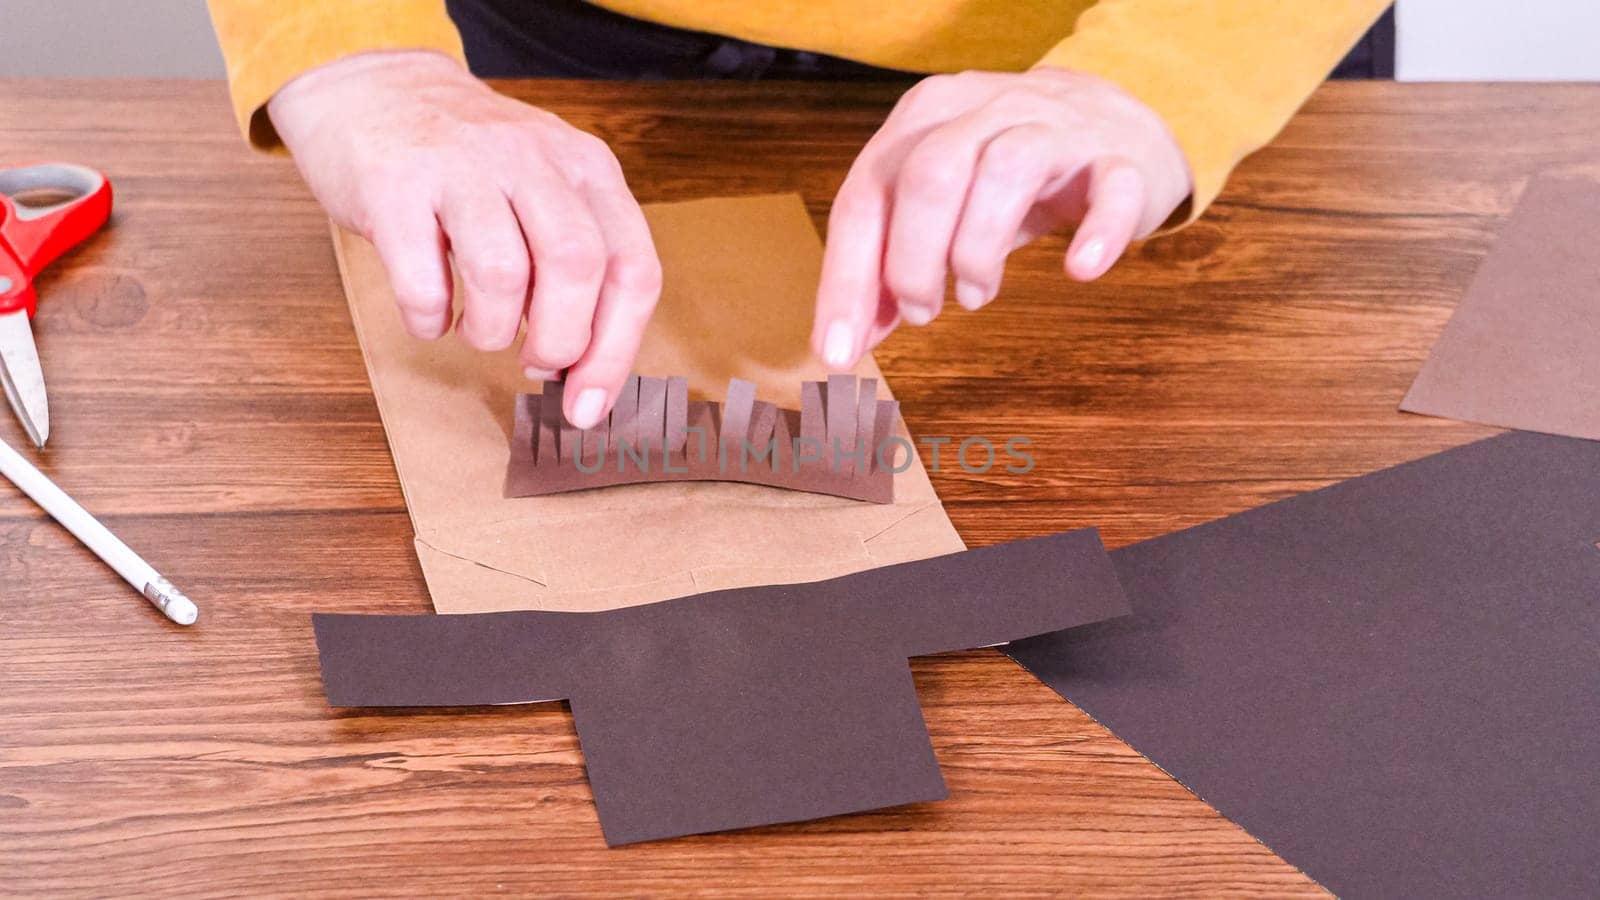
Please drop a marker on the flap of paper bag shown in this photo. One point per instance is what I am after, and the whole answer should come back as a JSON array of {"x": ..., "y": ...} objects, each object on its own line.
[{"x": 740, "y": 281}]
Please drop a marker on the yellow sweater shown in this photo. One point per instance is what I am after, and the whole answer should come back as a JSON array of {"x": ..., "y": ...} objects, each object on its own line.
[{"x": 1224, "y": 74}]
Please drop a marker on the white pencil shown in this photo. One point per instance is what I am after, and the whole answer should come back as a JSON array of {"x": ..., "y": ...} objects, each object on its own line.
[{"x": 146, "y": 580}]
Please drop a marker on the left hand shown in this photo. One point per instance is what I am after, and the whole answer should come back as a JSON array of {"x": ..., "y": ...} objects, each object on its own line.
[{"x": 969, "y": 167}]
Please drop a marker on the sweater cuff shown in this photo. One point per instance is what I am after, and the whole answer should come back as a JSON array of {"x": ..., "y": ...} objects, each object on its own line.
[
  {"x": 1146, "y": 71},
  {"x": 260, "y": 64},
  {"x": 1225, "y": 77}
]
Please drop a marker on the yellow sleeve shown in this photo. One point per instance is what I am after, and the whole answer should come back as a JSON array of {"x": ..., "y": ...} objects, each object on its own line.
[
  {"x": 268, "y": 42},
  {"x": 1226, "y": 75}
]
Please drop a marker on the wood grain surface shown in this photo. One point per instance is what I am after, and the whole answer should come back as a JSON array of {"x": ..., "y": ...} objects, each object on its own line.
[{"x": 209, "y": 402}]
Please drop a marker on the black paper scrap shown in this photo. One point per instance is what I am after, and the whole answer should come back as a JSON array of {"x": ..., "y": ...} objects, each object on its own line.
[
  {"x": 741, "y": 707},
  {"x": 1393, "y": 682}
]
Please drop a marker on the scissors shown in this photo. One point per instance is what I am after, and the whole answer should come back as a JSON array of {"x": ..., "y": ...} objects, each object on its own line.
[{"x": 45, "y": 210}]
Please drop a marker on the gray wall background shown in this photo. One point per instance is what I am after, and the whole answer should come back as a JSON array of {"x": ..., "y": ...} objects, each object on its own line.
[
  {"x": 108, "y": 38},
  {"x": 1438, "y": 40}
]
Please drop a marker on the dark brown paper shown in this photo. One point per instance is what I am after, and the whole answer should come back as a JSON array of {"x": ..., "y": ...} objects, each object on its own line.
[
  {"x": 740, "y": 707},
  {"x": 736, "y": 444},
  {"x": 1523, "y": 348},
  {"x": 1394, "y": 683}
]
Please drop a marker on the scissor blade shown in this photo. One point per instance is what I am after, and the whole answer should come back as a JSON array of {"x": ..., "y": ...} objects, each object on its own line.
[{"x": 24, "y": 380}]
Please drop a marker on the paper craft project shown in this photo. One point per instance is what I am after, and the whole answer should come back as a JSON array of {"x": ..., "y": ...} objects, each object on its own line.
[
  {"x": 1523, "y": 348},
  {"x": 1394, "y": 682},
  {"x": 741, "y": 277},
  {"x": 741, "y": 707},
  {"x": 831, "y": 445}
]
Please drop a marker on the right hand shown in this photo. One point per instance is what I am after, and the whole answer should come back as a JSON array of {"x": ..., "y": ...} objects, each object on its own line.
[{"x": 411, "y": 151}]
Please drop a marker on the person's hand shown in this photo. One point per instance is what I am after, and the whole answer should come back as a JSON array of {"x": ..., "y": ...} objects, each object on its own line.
[
  {"x": 412, "y": 152},
  {"x": 969, "y": 167}
]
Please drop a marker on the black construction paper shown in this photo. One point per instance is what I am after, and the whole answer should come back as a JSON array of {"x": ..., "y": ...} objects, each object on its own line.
[
  {"x": 1394, "y": 682},
  {"x": 741, "y": 707}
]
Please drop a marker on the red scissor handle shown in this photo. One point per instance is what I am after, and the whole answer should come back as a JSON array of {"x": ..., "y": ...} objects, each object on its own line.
[{"x": 77, "y": 201}]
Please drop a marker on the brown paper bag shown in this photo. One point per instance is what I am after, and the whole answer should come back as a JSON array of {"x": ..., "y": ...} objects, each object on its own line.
[{"x": 740, "y": 277}]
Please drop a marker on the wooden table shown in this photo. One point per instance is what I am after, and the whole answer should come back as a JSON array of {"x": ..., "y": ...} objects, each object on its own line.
[{"x": 210, "y": 403}]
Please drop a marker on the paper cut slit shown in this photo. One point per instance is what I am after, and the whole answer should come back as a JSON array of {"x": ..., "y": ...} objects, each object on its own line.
[
  {"x": 734, "y": 420},
  {"x": 886, "y": 448},
  {"x": 740, "y": 439},
  {"x": 625, "y": 415},
  {"x": 549, "y": 415},
  {"x": 701, "y": 443},
  {"x": 813, "y": 431},
  {"x": 742, "y": 707},
  {"x": 652, "y": 414},
  {"x": 596, "y": 443},
  {"x": 841, "y": 417},
  {"x": 762, "y": 421},
  {"x": 866, "y": 419},
  {"x": 785, "y": 426},
  {"x": 676, "y": 412}
]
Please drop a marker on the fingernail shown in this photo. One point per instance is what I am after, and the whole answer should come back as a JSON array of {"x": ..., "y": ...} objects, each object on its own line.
[
  {"x": 838, "y": 345},
  {"x": 534, "y": 373},
  {"x": 916, "y": 315},
  {"x": 972, "y": 296},
  {"x": 586, "y": 412},
  {"x": 1090, "y": 254}
]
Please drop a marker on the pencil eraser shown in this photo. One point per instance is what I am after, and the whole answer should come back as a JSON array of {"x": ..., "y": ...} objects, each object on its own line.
[{"x": 182, "y": 610}]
